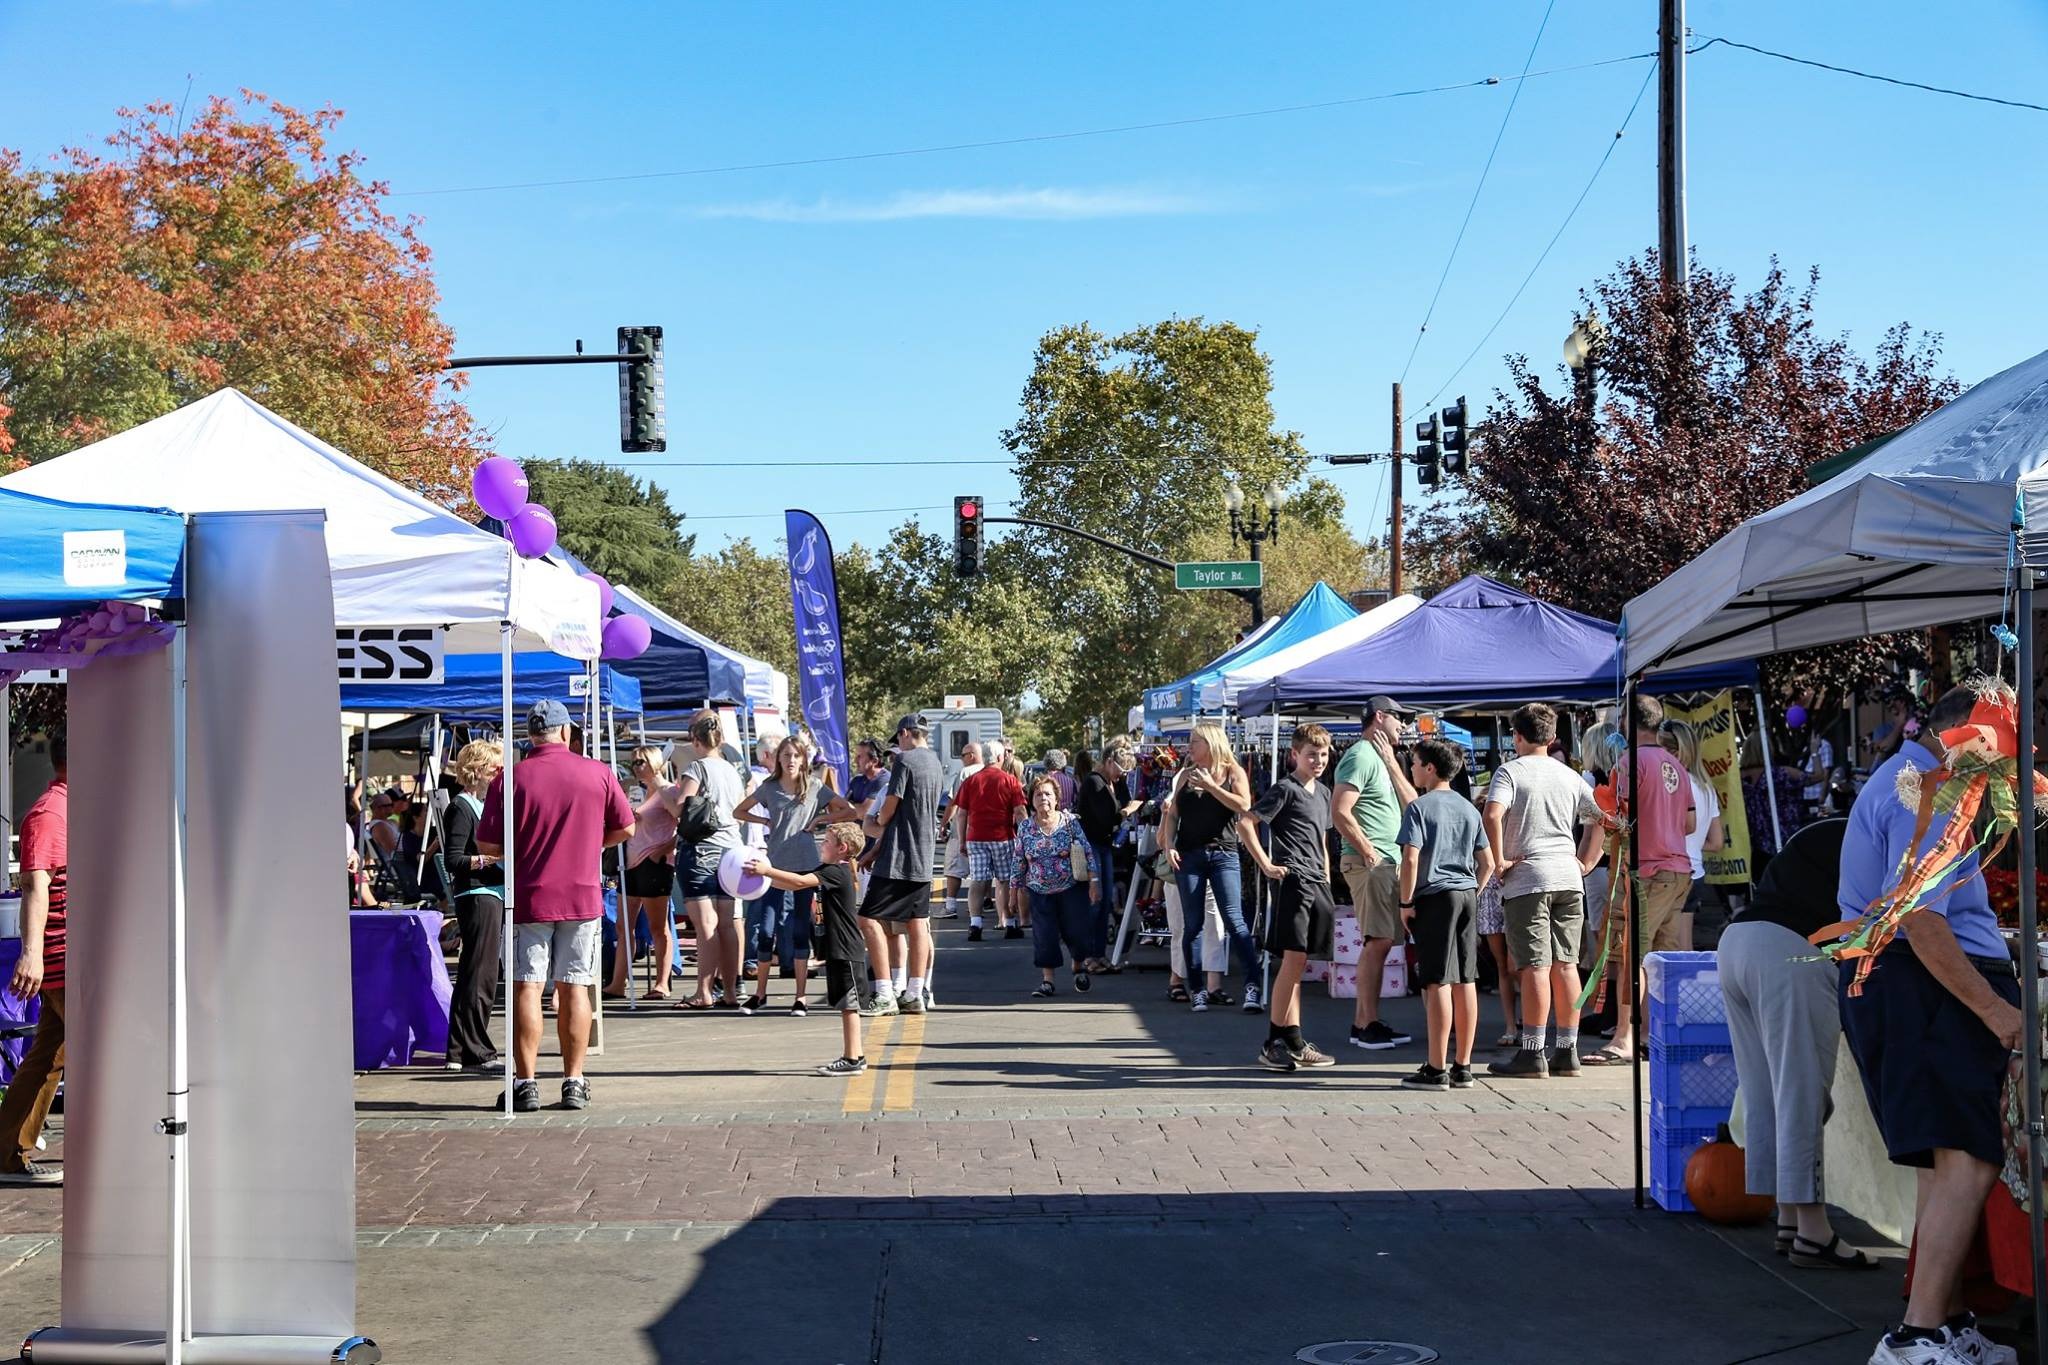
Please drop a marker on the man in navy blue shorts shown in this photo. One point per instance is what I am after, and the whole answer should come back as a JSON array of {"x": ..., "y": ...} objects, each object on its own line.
[{"x": 1933, "y": 1031}]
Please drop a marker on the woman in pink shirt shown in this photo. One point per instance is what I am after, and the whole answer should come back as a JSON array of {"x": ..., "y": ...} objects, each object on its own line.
[{"x": 650, "y": 877}]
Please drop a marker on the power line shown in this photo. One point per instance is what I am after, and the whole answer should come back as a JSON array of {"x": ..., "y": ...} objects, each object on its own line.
[
  {"x": 1477, "y": 189},
  {"x": 690, "y": 518},
  {"x": 1578, "y": 203},
  {"x": 1871, "y": 75},
  {"x": 1026, "y": 139}
]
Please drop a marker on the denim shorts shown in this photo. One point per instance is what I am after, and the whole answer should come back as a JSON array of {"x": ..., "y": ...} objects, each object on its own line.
[{"x": 697, "y": 873}]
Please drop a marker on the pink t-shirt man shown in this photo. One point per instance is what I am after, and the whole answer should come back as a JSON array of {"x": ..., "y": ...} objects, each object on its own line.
[
  {"x": 563, "y": 807},
  {"x": 1660, "y": 815}
]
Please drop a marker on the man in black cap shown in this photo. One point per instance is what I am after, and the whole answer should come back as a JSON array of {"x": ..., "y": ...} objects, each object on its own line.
[
  {"x": 1372, "y": 792},
  {"x": 900, "y": 889}
]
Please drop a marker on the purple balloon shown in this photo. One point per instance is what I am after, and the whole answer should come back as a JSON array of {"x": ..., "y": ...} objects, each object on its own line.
[
  {"x": 625, "y": 637},
  {"x": 604, "y": 593},
  {"x": 1795, "y": 716},
  {"x": 499, "y": 487},
  {"x": 532, "y": 529}
]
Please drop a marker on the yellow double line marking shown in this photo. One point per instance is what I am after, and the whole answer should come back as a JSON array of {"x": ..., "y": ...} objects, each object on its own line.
[{"x": 901, "y": 1092}]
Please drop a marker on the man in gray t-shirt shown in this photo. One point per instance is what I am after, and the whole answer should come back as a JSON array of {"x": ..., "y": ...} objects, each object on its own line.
[
  {"x": 899, "y": 895},
  {"x": 1535, "y": 809}
]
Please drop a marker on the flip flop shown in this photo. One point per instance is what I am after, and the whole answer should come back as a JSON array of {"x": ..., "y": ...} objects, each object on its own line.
[
  {"x": 688, "y": 1004},
  {"x": 655, "y": 993},
  {"x": 1606, "y": 1056}
]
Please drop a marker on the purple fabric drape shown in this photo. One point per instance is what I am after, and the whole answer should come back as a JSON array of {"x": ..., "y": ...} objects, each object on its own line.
[{"x": 401, "y": 986}]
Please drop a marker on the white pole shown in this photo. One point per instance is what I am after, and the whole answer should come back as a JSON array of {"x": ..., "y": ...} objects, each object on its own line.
[
  {"x": 511, "y": 758},
  {"x": 363, "y": 780},
  {"x": 176, "y": 1115},
  {"x": 593, "y": 711},
  {"x": 1763, "y": 740}
]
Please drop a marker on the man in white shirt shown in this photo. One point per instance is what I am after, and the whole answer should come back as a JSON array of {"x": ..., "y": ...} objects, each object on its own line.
[{"x": 1534, "y": 808}]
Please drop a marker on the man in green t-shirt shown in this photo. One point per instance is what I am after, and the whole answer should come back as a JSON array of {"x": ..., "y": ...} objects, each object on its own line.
[{"x": 1372, "y": 793}]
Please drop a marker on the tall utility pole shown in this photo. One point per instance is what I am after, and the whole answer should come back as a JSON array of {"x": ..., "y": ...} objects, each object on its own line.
[
  {"x": 1671, "y": 142},
  {"x": 1394, "y": 536}
]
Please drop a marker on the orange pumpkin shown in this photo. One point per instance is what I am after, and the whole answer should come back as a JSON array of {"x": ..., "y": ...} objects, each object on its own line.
[{"x": 1714, "y": 1184}]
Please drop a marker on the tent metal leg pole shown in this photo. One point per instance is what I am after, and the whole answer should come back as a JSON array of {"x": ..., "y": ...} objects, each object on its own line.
[
  {"x": 173, "y": 1126},
  {"x": 1123, "y": 932},
  {"x": 1632, "y": 930},
  {"x": 2030, "y": 962},
  {"x": 363, "y": 779},
  {"x": 593, "y": 715},
  {"x": 1266, "y": 958},
  {"x": 511, "y": 759},
  {"x": 1763, "y": 739}
]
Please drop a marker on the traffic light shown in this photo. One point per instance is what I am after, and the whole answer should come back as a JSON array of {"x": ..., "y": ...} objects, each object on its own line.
[
  {"x": 643, "y": 410},
  {"x": 1428, "y": 434},
  {"x": 1455, "y": 458},
  {"x": 967, "y": 514}
]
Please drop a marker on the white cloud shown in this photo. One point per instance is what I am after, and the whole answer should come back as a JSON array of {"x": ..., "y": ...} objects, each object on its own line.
[{"x": 1050, "y": 203}]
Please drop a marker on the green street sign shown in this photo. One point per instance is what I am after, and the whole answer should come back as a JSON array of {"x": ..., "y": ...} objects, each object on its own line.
[{"x": 1248, "y": 573}]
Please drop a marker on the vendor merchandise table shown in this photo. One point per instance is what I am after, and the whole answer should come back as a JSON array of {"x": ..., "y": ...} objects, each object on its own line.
[{"x": 401, "y": 986}]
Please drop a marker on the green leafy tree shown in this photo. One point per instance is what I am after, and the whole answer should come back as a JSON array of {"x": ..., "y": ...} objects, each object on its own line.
[
  {"x": 739, "y": 596},
  {"x": 1134, "y": 437},
  {"x": 620, "y": 526}
]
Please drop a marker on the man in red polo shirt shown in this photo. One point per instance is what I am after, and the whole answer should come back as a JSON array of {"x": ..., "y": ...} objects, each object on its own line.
[
  {"x": 40, "y": 968},
  {"x": 992, "y": 801},
  {"x": 566, "y": 811}
]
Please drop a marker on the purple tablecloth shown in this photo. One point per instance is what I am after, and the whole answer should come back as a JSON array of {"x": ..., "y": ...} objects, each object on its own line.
[
  {"x": 14, "y": 1013},
  {"x": 401, "y": 986}
]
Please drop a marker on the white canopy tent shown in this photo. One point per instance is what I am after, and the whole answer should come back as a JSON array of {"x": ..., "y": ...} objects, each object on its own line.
[
  {"x": 767, "y": 685},
  {"x": 1936, "y": 525},
  {"x": 396, "y": 559},
  {"x": 1222, "y": 694}
]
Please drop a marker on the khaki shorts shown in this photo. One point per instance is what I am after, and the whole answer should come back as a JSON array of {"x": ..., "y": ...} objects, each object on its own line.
[
  {"x": 1544, "y": 927},
  {"x": 1376, "y": 896},
  {"x": 565, "y": 951},
  {"x": 1664, "y": 895}
]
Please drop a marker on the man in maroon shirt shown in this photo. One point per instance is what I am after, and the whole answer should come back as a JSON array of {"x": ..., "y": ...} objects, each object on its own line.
[
  {"x": 566, "y": 811},
  {"x": 40, "y": 968}
]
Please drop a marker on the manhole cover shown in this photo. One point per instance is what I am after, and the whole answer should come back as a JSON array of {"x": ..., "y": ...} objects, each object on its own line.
[{"x": 1365, "y": 1353}]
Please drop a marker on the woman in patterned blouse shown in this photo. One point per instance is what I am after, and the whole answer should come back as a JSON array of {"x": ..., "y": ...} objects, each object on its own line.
[{"x": 1060, "y": 902}]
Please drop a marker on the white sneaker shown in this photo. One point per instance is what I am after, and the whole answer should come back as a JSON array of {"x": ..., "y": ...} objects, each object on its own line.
[
  {"x": 1201, "y": 1005},
  {"x": 1973, "y": 1346},
  {"x": 1942, "y": 1352}
]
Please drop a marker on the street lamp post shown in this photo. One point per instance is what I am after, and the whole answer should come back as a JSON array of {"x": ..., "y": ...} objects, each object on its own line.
[
  {"x": 1582, "y": 355},
  {"x": 1248, "y": 530}
]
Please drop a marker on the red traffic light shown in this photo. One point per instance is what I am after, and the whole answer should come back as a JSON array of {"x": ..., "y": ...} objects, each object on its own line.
[{"x": 969, "y": 510}]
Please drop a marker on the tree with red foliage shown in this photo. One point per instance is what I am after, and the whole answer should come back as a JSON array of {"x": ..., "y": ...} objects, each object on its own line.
[
  {"x": 1712, "y": 405},
  {"x": 235, "y": 249}
]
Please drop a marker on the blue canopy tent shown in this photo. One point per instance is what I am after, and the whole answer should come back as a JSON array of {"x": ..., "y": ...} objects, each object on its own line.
[
  {"x": 474, "y": 686},
  {"x": 1479, "y": 644},
  {"x": 1318, "y": 610},
  {"x": 58, "y": 556}
]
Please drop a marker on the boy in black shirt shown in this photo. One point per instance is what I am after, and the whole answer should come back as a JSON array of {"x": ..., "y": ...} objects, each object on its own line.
[
  {"x": 1303, "y": 918},
  {"x": 837, "y": 938}
]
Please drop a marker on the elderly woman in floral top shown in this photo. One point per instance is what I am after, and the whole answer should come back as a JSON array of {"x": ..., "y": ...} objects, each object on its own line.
[{"x": 1047, "y": 844}]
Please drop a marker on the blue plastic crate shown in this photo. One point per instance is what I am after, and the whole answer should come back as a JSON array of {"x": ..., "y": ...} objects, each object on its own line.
[
  {"x": 1685, "y": 1004},
  {"x": 1670, "y": 1149},
  {"x": 1698, "y": 1077},
  {"x": 1671, "y": 1118}
]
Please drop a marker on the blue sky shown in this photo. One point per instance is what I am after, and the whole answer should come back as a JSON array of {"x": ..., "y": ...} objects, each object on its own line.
[{"x": 822, "y": 319}]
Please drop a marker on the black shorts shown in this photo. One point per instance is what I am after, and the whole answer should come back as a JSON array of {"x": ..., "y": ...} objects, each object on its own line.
[
  {"x": 1446, "y": 934},
  {"x": 1302, "y": 918},
  {"x": 843, "y": 981},
  {"x": 650, "y": 879},
  {"x": 1934, "y": 1075},
  {"x": 897, "y": 899}
]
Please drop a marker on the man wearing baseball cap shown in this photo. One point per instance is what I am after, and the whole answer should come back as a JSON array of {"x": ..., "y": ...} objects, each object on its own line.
[
  {"x": 1372, "y": 793},
  {"x": 566, "y": 811},
  {"x": 900, "y": 888}
]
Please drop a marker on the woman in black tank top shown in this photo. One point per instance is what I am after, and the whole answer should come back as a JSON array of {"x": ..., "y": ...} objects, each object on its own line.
[{"x": 1201, "y": 839}]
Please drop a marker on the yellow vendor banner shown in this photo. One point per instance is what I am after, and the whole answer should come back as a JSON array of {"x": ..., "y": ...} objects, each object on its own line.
[{"x": 1714, "y": 723}]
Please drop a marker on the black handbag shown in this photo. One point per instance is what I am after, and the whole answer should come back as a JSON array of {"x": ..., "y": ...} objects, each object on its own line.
[{"x": 698, "y": 820}]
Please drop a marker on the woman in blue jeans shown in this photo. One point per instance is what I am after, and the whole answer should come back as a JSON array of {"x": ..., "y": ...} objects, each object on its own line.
[
  {"x": 1061, "y": 902},
  {"x": 788, "y": 803},
  {"x": 1199, "y": 830}
]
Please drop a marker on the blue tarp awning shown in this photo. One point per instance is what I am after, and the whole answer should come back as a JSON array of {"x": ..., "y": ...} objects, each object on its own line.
[
  {"x": 474, "y": 687},
  {"x": 58, "y": 556},
  {"x": 1479, "y": 643},
  {"x": 1317, "y": 611}
]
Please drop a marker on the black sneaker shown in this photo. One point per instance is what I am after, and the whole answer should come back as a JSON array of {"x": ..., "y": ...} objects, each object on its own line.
[
  {"x": 1528, "y": 1062},
  {"x": 1427, "y": 1077},
  {"x": 1014, "y": 931},
  {"x": 798, "y": 1009},
  {"x": 33, "y": 1173},
  {"x": 974, "y": 933},
  {"x": 845, "y": 1066},
  {"x": 754, "y": 1004},
  {"x": 526, "y": 1097},
  {"x": 1377, "y": 1037},
  {"x": 575, "y": 1093},
  {"x": 1461, "y": 1076},
  {"x": 1564, "y": 1061},
  {"x": 1274, "y": 1056},
  {"x": 1082, "y": 981}
]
